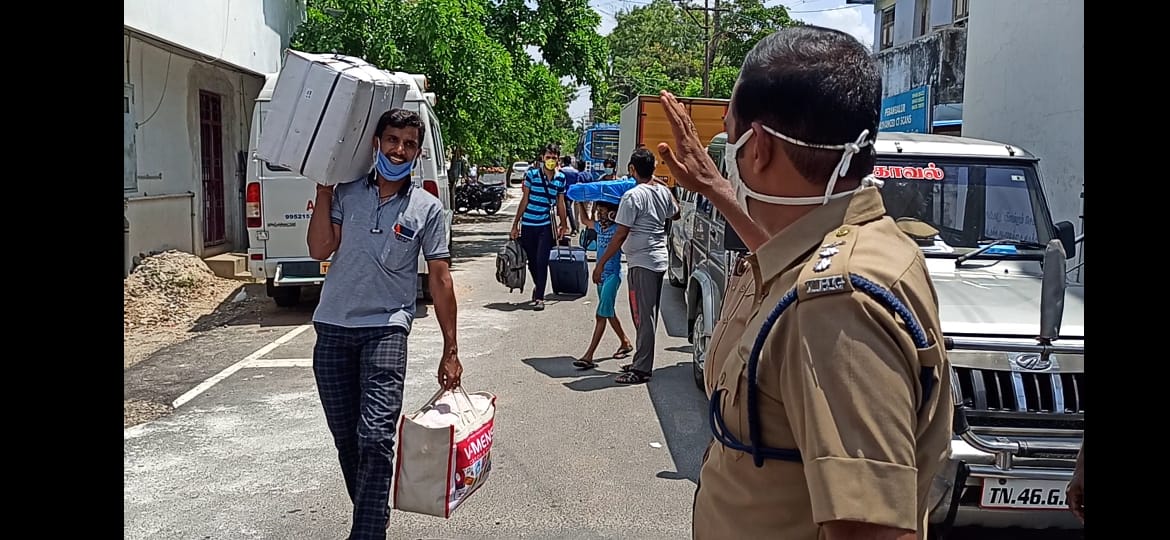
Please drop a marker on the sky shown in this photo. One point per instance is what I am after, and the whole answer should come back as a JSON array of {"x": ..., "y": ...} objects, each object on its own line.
[{"x": 854, "y": 19}]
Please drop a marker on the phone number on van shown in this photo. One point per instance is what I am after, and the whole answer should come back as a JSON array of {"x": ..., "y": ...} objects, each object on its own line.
[{"x": 298, "y": 216}]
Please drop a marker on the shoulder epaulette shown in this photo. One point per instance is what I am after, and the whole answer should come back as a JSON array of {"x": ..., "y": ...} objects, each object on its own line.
[{"x": 827, "y": 272}]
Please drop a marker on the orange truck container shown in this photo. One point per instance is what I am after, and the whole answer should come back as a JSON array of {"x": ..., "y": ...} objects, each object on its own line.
[{"x": 643, "y": 123}]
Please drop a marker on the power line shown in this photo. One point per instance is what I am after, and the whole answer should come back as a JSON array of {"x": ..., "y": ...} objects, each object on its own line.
[{"x": 710, "y": 26}]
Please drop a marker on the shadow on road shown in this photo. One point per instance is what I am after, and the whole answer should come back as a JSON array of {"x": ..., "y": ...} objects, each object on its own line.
[
  {"x": 673, "y": 311},
  {"x": 587, "y": 380},
  {"x": 258, "y": 309},
  {"x": 465, "y": 247},
  {"x": 509, "y": 307},
  {"x": 557, "y": 367},
  {"x": 477, "y": 216},
  {"x": 555, "y": 297},
  {"x": 681, "y": 412}
]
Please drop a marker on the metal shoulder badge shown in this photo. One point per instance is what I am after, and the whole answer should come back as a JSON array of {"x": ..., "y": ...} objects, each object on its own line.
[{"x": 828, "y": 271}]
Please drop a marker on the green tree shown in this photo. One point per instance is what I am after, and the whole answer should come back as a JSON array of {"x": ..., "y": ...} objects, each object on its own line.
[
  {"x": 659, "y": 46},
  {"x": 745, "y": 25},
  {"x": 470, "y": 73},
  {"x": 361, "y": 28},
  {"x": 493, "y": 101},
  {"x": 564, "y": 31}
]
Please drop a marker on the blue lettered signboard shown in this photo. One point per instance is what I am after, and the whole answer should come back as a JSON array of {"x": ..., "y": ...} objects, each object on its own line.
[{"x": 907, "y": 112}]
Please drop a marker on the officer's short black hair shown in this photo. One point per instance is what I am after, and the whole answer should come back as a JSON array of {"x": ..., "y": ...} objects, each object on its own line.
[
  {"x": 566, "y": 161},
  {"x": 610, "y": 162},
  {"x": 816, "y": 85},
  {"x": 643, "y": 162}
]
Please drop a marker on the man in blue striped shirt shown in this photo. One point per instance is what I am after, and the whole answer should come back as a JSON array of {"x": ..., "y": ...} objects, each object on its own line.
[{"x": 544, "y": 189}]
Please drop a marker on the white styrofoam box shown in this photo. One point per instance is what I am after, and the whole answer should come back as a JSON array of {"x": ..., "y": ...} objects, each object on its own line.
[{"x": 324, "y": 111}]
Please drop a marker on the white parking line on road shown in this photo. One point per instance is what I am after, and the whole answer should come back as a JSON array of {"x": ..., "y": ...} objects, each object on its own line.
[
  {"x": 280, "y": 362},
  {"x": 228, "y": 371}
]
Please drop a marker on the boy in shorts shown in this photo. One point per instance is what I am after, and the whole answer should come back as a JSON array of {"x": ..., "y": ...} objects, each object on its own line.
[{"x": 611, "y": 280}]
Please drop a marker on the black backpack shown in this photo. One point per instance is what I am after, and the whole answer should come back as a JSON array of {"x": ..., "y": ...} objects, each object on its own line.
[{"x": 511, "y": 266}]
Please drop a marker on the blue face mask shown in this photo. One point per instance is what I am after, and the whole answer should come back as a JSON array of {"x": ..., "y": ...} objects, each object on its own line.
[
  {"x": 608, "y": 171},
  {"x": 389, "y": 170}
]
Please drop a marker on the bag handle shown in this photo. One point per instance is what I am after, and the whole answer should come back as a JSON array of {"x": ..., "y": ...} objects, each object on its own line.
[
  {"x": 460, "y": 411},
  {"x": 470, "y": 405}
]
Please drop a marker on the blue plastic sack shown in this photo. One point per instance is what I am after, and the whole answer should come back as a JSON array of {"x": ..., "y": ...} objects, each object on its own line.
[{"x": 610, "y": 191}]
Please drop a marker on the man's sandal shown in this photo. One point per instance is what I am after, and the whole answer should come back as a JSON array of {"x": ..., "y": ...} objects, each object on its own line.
[
  {"x": 632, "y": 377},
  {"x": 584, "y": 364}
]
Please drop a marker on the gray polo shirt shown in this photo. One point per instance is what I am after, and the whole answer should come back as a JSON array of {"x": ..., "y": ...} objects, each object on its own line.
[
  {"x": 373, "y": 280},
  {"x": 646, "y": 209}
]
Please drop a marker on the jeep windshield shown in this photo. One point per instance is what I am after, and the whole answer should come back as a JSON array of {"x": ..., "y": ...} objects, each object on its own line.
[{"x": 955, "y": 207}]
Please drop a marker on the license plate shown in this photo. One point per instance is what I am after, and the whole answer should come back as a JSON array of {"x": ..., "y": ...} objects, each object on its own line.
[
  {"x": 1024, "y": 494},
  {"x": 324, "y": 267}
]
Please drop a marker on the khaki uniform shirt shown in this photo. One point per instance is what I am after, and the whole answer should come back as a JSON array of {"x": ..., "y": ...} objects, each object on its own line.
[{"x": 838, "y": 380}]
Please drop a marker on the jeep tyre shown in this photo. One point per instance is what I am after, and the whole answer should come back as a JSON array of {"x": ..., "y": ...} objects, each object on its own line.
[{"x": 698, "y": 351}]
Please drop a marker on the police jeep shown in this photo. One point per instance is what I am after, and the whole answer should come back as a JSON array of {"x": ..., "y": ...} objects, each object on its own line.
[{"x": 1014, "y": 325}]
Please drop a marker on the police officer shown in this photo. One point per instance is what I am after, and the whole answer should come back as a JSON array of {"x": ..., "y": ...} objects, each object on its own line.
[{"x": 829, "y": 384}]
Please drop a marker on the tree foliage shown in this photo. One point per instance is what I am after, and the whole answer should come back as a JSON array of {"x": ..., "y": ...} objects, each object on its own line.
[
  {"x": 494, "y": 102},
  {"x": 660, "y": 46}
]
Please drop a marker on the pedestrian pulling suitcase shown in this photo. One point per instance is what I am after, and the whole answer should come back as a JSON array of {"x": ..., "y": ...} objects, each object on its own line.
[{"x": 568, "y": 270}]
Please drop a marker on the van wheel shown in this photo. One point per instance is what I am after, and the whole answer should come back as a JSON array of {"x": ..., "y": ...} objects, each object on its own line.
[
  {"x": 698, "y": 351},
  {"x": 285, "y": 296}
]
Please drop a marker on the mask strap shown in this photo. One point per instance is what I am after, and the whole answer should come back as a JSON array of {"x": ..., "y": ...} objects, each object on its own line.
[{"x": 842, "y": 165}]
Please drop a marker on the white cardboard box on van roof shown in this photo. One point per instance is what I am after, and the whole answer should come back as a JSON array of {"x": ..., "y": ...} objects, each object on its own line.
[{"x": 323, "y": 114}]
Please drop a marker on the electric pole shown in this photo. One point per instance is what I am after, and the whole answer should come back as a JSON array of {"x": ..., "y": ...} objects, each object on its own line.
[{"x": 710, "y": 26}]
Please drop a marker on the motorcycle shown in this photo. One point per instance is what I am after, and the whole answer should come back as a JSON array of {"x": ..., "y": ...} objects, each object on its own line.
[{"x": 474, "y": 195}]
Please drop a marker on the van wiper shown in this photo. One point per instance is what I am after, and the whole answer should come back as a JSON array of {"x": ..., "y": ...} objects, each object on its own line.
[{"x": 1002, "y": 241}]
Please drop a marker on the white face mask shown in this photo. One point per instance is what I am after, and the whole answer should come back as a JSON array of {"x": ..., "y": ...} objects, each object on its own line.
[{"x": 742, "y": 191}]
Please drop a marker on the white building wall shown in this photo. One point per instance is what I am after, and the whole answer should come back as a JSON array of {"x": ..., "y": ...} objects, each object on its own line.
[
  {"x": 172, "y": 51},
  {"x": 250, "y": 34},
  {"x": 1025, "y": 85},
  {"x": 168, "y": 143},
  {"x": 906, "y": 17}
]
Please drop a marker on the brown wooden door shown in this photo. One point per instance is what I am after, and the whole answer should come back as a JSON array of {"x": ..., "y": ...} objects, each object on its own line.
[{"x": 211, "y": 150}]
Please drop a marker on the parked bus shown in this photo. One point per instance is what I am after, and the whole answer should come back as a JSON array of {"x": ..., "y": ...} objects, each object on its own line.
[{"x": 597, "y": 144}]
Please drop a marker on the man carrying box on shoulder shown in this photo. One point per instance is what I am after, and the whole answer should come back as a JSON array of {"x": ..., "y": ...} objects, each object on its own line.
[{"x": 367, "y": 308}]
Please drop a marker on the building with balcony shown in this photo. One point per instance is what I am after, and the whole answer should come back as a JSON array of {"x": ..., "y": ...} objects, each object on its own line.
[
  {"x": 191, "y": 73},
  {"x": 921, "y": 49}
]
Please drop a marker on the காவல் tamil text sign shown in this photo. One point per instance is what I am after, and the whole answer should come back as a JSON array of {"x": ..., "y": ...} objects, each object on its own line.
[{"x": 907, "y": 112}]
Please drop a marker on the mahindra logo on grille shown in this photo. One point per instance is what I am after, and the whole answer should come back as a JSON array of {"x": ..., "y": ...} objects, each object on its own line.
[{"x": 1032, "y": 362}]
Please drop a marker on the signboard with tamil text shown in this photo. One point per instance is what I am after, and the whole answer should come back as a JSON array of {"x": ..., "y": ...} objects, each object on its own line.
[{"x": 906, "y": 112}]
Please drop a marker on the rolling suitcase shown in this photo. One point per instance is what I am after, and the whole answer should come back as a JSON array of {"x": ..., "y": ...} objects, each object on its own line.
[{"x": 568, "y": 271}]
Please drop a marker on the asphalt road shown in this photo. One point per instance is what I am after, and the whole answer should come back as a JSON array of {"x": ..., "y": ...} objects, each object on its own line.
[{"x": 247, "y": 454}]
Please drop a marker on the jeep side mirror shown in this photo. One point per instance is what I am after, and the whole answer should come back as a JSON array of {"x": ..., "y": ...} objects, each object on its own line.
[
  {"x": 1068, "y": 238},
  {"x": 1052, "y": 290}
]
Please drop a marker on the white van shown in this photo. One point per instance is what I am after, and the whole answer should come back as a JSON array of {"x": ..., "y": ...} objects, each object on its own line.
[{"x": 280, "y": 202}]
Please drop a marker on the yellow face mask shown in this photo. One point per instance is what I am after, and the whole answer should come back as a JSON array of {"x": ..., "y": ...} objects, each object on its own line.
[{"x": 550, "y": 164}]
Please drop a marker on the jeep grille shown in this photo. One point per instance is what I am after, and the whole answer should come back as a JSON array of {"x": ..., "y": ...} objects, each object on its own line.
[{"x": 1012, "y": 399}]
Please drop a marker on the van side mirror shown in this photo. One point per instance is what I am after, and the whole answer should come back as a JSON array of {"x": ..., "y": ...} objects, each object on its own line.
[{"x": 1068, "y": 238}]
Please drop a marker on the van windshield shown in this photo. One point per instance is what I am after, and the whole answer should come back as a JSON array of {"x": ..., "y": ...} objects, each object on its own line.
[{"x": 970, "y": 203}]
